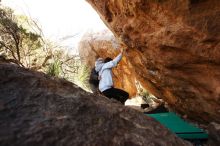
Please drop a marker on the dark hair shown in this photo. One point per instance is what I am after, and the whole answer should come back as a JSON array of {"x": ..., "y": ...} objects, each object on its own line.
[{"x": 107, "y": 59}]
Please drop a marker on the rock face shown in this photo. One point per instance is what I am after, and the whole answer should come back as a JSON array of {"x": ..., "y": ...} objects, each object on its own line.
[
  {"x": 174, "y": 48},
  {"x": 38, "y": 110},
  {"x": 214, "y": 134},
  {"x": 104, "y": 44}
]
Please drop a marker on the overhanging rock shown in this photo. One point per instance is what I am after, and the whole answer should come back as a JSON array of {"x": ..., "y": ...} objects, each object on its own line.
[{"x": 174, "y": 48}]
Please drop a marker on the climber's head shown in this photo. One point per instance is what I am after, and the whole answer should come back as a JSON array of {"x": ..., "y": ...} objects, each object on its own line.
[{"x": 107, "y": 59}]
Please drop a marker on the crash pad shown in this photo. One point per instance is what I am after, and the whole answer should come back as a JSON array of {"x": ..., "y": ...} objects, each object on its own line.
[{"x": 179, "y": 126}]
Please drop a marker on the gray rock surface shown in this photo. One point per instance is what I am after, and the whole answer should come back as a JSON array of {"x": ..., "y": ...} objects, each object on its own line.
[
  {"x": 38, "y": 110},
  {"x": 214, "y": 134}
]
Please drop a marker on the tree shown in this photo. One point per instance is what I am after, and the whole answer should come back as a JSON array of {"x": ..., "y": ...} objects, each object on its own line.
[
  {"x": 9, "y": 34},
  {"x": 21, "y": 40}
]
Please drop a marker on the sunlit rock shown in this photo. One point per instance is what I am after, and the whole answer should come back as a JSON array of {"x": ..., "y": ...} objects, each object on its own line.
[
  {"x": 174, "y": 49},
  {"x": 104, "y": 44}
]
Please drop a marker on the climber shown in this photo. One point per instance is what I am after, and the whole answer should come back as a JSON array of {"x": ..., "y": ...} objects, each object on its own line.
[{"x": 104, "y": 67}]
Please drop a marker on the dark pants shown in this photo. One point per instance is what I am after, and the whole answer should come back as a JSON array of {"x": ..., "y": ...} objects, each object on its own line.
[{"x": 117, "y": 94}]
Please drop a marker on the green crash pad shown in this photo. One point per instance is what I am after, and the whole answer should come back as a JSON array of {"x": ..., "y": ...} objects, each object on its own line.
[{"x": 177, "y": 125}]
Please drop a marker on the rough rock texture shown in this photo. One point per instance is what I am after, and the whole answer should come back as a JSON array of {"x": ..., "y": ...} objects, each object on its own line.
[
  {"x": 38, "y": 110},
  {"x": 174, "y": 48},
  {"x": 104, "y": 44},
  {"x": 214, "y": 134}
]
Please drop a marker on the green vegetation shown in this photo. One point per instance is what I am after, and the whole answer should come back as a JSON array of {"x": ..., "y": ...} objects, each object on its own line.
[
  {"x": 16, "y": 42},
  {"x": 83, "y": 76},
  {"x": 54, "y": 69},
  {"x": 22, "y": 42}
]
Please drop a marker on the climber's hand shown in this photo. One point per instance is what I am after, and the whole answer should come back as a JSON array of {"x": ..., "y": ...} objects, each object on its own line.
[{"x": 122, "y": 50}]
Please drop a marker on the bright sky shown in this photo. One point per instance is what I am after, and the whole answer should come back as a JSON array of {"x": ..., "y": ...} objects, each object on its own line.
[{"x": 60, "y": 18}]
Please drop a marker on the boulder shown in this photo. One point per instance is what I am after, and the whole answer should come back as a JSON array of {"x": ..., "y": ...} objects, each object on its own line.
[
  {"x": 174, "y": 49},
  {"x": 214, "y": 134},
  {"x": 36, "y": 109}
]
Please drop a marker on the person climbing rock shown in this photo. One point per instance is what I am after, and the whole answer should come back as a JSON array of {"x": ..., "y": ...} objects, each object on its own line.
[{"x": 106, "y": 86}]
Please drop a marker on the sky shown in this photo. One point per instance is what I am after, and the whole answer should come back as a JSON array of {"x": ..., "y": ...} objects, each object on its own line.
[{"x": 60, "y": 18}]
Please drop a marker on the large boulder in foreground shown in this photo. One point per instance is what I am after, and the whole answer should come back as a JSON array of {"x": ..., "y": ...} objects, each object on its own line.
[
  {"x": 174, "y": 48},
  {"x": 38, "y": 110}
]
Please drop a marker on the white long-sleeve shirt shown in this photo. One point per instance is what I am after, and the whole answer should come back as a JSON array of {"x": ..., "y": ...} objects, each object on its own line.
[{"x": 105, "y": 72}]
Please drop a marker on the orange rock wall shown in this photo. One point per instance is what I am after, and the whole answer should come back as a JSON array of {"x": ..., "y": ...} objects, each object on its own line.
[
  {"x": 173, "y": 46},
  {"x": 123, "y": 75}
]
